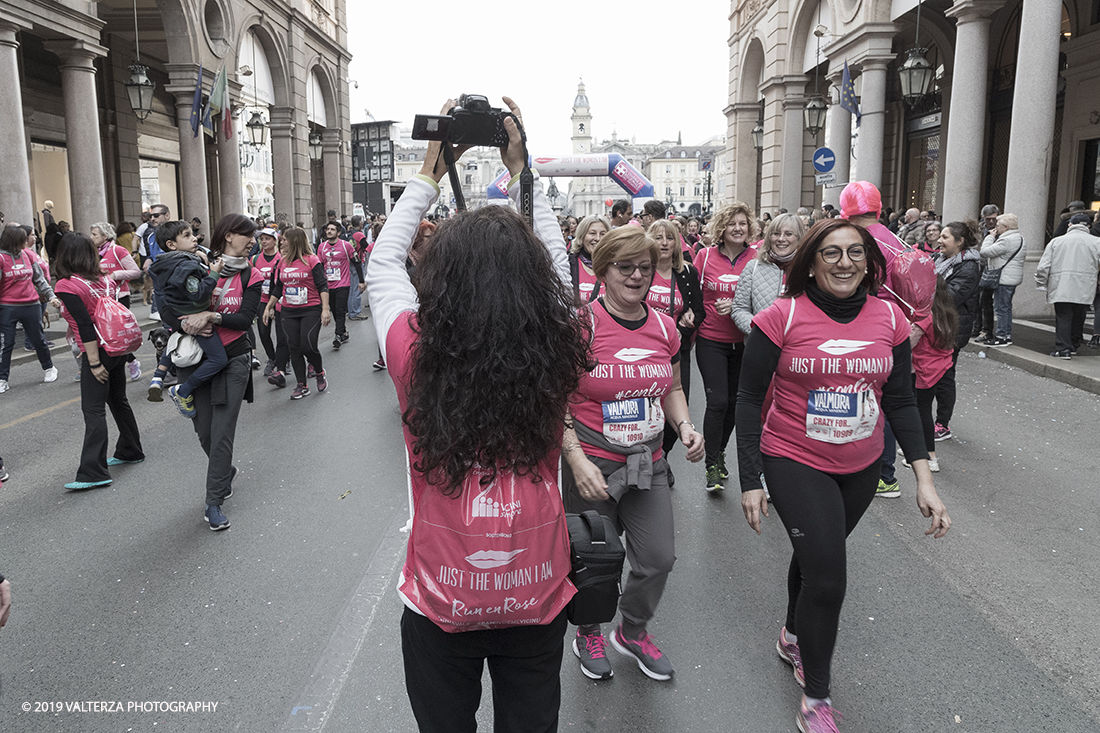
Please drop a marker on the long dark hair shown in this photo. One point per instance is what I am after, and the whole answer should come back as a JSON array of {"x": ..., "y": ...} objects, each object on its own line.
[
  {"x": 945, "y": 319},
  {"x": 13, "y": 238},
  {"x": 77, "y": 255},
  {"x": 798, "y": 274},
  {"x": 964, "y": 231},
  {"x": 230, "y": 224},
  {"x": 500, "y": 349}
]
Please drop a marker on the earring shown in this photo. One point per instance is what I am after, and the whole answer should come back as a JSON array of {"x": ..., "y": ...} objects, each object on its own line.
[{"x": 811, "y": 273}]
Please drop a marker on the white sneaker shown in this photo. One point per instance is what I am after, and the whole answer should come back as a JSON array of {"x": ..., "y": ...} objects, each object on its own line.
[
  {"x": 934, "y": 465},
  {"x": 50, "y": 375},
  {"x": 4, "y": 386},
  {"x": 135, "y": 370}
]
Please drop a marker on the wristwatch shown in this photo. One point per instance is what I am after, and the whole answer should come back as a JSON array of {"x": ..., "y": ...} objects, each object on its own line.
[{"x": 217, "y": 319}]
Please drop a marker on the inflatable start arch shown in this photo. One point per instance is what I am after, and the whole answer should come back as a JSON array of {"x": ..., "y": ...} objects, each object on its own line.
[{"x": 612, "y": 165}]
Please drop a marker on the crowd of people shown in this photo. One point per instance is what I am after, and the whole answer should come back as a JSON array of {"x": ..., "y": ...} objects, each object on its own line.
[{"x": 824, "y": 339}]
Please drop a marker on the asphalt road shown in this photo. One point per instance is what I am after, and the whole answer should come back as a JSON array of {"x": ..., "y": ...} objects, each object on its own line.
[{"x": 289, "y": 620}]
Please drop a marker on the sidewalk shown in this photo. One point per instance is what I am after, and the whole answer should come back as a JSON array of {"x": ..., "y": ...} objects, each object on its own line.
[
  {"x": 56, "y": 333},
  {"x": 1033, "y": 340}
]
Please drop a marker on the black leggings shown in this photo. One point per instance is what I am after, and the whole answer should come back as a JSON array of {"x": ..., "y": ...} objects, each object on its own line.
[
  {"x": 672, "y": 435},
  {"x": 819, "y": 510},
  {"x": 338, "y": 300},
  {"x": 946, "y": 393},
  {"x": 985, "y": 311},
  {"x": 265, "y": 334},
  {"x": 720, "y": 367},
  {"x": 282, "y": 351},
  {"x": 301, "y": 326}
]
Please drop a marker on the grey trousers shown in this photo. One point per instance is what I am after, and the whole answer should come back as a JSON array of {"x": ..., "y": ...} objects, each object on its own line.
[
  {"x": 646, "y": 518},
  {"x": 217, "y": 406}
]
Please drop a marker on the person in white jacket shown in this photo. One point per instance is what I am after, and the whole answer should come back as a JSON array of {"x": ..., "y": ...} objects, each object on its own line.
[
  {"x": 1003, "y": 249},
  {"x": 1068, "y": 270}
]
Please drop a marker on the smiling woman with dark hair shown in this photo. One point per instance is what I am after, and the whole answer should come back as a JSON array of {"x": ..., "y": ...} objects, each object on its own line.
[{"x": 484, "y": 352}]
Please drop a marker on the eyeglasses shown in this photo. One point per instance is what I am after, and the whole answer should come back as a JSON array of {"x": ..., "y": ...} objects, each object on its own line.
[
  {"x": 626, "y": 269},
  {"x": 832, "y": 255}
]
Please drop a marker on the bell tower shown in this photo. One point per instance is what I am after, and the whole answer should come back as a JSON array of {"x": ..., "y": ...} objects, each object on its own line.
[{"x": 582, "y": 123}]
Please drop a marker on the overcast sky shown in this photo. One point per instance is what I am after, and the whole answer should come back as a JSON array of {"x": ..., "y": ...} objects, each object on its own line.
[{"x": 651, "y": 69}]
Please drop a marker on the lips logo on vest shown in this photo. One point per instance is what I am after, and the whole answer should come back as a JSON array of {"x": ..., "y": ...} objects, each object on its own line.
[
  {"x": 729, "y": 278},
  {"x": 840, "y": 347},
  {"x": 486, "y": 559},
  {"x": 659, "y": 289},
  {"x": 634, "y": 354}
]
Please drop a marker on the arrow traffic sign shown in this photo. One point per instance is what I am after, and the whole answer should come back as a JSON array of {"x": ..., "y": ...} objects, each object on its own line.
[{"x": 823, "y": 160}]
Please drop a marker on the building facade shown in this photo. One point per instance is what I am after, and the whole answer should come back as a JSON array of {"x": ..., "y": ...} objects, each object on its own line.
[{"x": 71, "y": 135}]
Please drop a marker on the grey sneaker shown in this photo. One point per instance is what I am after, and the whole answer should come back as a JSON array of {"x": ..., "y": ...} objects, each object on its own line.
[
  {"x": 589, "y": 648},
  {"x": 650, "y": 660}
]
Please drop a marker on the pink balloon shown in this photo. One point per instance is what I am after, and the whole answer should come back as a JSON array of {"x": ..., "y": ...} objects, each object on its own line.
[{"x": 609, "y": 201}]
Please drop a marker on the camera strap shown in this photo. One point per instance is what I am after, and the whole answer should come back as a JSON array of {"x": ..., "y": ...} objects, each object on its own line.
[
  {"x": 526, "y": 180},
  {"x": 452, "y": 176}
]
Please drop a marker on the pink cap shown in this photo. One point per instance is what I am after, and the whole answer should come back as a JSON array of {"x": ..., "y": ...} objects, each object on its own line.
[{"x": 860, "y": 197}]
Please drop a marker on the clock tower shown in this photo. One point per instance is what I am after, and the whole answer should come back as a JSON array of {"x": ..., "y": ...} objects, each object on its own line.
[{"x": 582, "y": 123}]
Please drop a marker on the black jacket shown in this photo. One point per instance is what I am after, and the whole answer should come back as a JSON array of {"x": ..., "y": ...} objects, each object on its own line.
[
  {"x": 183, "y": 282},
  {"x": 962, "y": 280}
]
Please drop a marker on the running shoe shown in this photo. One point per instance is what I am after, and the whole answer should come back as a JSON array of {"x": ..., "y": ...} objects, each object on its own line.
[
  {"x": 821, "y": 718},
  {"x": 650, "y": 660},
  {"x": 997, "y": 342},
  {"x": 255, "y": 363},
  {"x": 112, "y": 461},
  {"x": 379, "y": 365},
  {"x": 277, "y": 378},
  {"x": 3, "y": 474},
  {"x": 890, "y": 490},
  {"x": 942, "y": 433},
  {"x": 337, "y": 343},
  {"x": 789, "y": 653},
  {"x": 269, "y": 368},
  {"x": 589, "y": 648},
  {"x": 981, "y": 338},
  {"x": 186, "y": 405},
  {"x": 215, "y": 517},
  {"x": 933, "y": 464},
  {"x": 4, "y": 386},
  {"x": 82, "y": 485},
  {"x": 1063, "y": 354},
  {"x": 299, "y": 392},
  {"x": 50, "y": 375},
  {"x": 722, "y": 465},
  {"x": 1094, "y": 342},
  {"x": 322, "y": 383},
  {"x": 134, "y": 368},
  {"x": 345, "y": 337},
  {"x": 310, "y": 374},
  {"x": 156, "y": 390},
  {"x": 714, "y": 479}
]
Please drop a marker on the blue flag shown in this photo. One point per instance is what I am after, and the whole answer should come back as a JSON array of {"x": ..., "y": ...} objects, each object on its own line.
[
  {"x": 196, "y": 105},
  {"x": 848, "y": 94}
]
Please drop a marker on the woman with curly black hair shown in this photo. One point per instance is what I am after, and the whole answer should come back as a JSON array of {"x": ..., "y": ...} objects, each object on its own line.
[{"x": 484, "y": 352}]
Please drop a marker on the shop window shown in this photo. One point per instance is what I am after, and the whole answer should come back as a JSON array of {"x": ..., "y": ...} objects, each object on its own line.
[
  {"x": 922, "y": 172},
  {"x": 1090, "y": 180}
]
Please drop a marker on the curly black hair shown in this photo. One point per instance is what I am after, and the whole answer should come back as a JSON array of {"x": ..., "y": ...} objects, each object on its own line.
[{"x": 500, "y": 349}]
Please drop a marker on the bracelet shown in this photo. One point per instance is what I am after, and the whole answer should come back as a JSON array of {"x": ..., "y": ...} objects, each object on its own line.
[
  {"x": 689, "y": 422},
  {"x": 570, "y": 448},
  {"x": 94, "y": 366}
]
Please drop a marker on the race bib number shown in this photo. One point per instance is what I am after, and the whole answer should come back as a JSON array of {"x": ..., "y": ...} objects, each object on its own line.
[
  {"x": 295, "y": 296},
  {"x": 633, "y": 421},
  {"x": 841, "y": 417},
  {"x": 332, "y": 274},
  {"x": 266, "y": 287}
]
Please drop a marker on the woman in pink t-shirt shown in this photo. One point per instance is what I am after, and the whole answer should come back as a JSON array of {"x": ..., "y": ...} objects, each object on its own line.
[
  {"x": 590, "y": 231},
  {"x": 839, "y": 356}
]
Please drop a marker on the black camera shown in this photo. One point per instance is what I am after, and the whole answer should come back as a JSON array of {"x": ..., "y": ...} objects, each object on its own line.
[{"x": 471, "y": 122}]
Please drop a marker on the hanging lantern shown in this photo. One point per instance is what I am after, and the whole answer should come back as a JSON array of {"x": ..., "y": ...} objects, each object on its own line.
[
  {"x": 140, "y": 90},
  {"x": 916, "y": 76},
  {"x": 758, "y": 135},
  {"x": 814, "y": 115},
  {"x": 315, "y": 146},
  {"x": 257, "y": 130}
]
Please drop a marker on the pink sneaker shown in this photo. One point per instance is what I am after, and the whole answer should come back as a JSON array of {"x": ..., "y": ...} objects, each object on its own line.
[
  {"x": 789, "y": 653},
  {"x": 650, "y": 660},
  {"x": 821, "y": 718}
]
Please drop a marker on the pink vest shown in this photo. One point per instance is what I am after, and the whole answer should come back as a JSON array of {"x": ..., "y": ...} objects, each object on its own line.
[
  {"x": 718, "y": 278},
  {"x": 337, "y": 261},
  {"x": 228, "y": 298},
  {"x": 110, "y": 258},
  {"x": 266, "y": 267},
  {"x": 17, "y": 284},
  {"x": 299, "y": 290}
]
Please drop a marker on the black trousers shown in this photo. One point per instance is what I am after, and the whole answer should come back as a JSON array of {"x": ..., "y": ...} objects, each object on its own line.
[
  {"x": 946, "y": 393},
  {"x": 282, "y": 350},
  {"x": 720, "y": 367},
  {"x": 217, "y": 407},
  {"x": 338, "y": 304},
  {"x": 672, "y": 436},
  {"x": 95, "y": 398},
  {"x": 1069, "y": 325},
  {"x": 443, "y": 675},
  {"x": 265, "y": 335},
  {"x": 925, "y": 398},
  {"x": 301, "y": 327},
  {"x": 819, "y": 510},
  {"x": 984, "y": 320}
]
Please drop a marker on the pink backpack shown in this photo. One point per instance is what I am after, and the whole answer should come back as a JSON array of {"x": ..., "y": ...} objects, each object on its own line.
[{"x": 115, "y": 325}]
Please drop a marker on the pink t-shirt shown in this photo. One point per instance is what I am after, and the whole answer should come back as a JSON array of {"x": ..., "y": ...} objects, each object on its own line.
[
  {"x": 79, "y": 287},
  {"x": 17, "y": 284},
  {"x": 660, "y": 292},
  {"x": 299, "y": 290},
  {"x": 228, "y": 297},
  {"x": 266, "y": 265},
  {"x": 586, "y": 282},
  {"x": 336, "y": 259},
  {"x": 930, "y": 362},
  {"x": 496, "y": 556},
  {"x": 719, "y": 276},
  {"x": 111, "y": 256},
  {"x": 828, "y": 383},
  {"x": 622, "y": 396}
]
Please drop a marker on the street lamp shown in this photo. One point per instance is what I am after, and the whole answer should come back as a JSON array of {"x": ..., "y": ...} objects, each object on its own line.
[
  {"x": 314, "y": 146},
  {"x": 814, "y": 115},
  {"x": 758, "y": 135},
  {"x": 257, "y": 130},
  {"x": 916, "y": 73},
  {"x": 140, "y": 87}
]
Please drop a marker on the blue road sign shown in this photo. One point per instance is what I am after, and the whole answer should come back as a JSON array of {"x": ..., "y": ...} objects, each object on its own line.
[{"x": 823, "y": 160}]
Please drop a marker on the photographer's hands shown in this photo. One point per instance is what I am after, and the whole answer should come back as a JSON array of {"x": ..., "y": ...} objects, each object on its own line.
[{"x": 434, "y": 166}]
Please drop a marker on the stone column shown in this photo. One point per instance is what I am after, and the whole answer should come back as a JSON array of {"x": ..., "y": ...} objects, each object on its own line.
[
  {"x": 332, "y": 150},
  {"x": 745, "y": 116},
  {"x": 282, "y": 162},
  {"x": 194, "y": 194},
  {"x": 16, "y": 200},
  {"x": 838, "y": 136},
  {"x": 229, "y": 174},
  {"x": 962, "y": 169},
  {"x": 794, "y": 134},
  {"x": 1030, "y": 145},
  {"x": 872, "y": 127},
  {"x": 771, "y": 167},
  {"x": 87, "y": 187}
]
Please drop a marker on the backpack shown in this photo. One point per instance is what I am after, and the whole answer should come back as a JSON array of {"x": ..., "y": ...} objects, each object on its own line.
[{"x": 115, "y": 325}]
